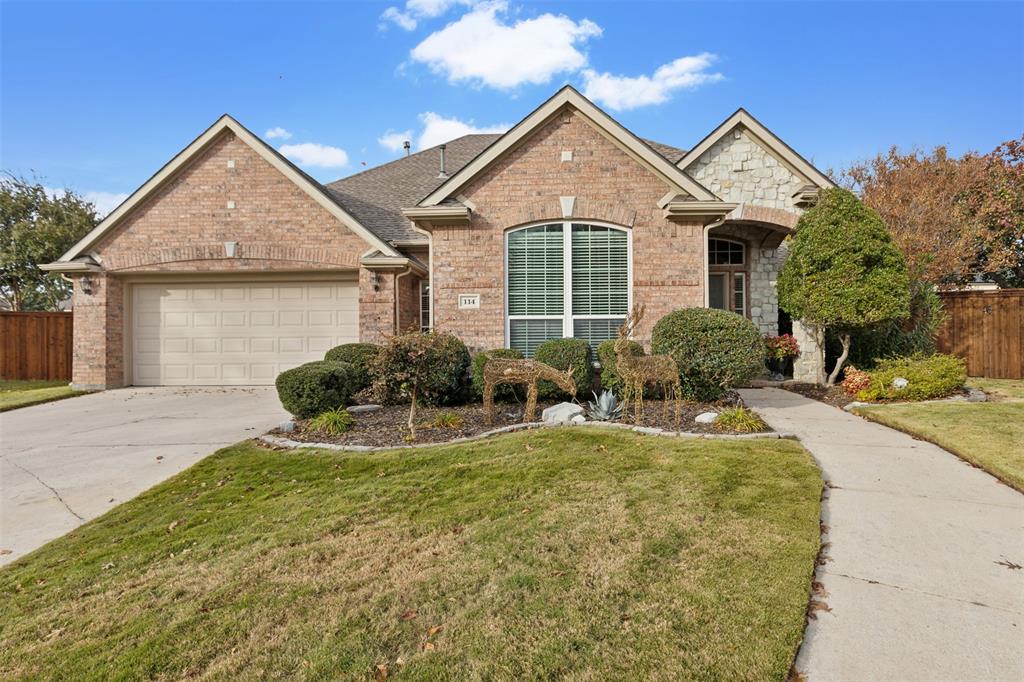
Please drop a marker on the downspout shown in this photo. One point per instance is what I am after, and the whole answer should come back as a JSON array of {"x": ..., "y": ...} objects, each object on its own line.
[
  {"x": 408, "y": 270},
  {"x": 707, "y": 269}
]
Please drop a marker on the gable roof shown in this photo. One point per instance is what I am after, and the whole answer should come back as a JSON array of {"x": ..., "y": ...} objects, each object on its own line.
[
  {"x": 569, "y": 96},
  {"x": 377, "y": 196},
  {"x": 673, "y": 154},
  {"x": 767, "y": 138},
  {"x": 226, "y": 123}
]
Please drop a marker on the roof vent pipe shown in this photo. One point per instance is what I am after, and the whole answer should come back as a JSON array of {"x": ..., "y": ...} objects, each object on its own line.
[
  {"x": 406, "y": 145},
  {"x": 443, "y": 173}
]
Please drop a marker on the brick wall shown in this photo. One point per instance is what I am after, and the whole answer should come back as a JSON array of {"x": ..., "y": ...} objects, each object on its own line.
[
  {"x": 182, "y": 228},
  {"x": 525, "y": 186}
]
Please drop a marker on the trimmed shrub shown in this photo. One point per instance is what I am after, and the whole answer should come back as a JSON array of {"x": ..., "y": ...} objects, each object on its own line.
[
  {"x": 359, "y": 355},
  {"x": 610, "y": 379},
  {"x": 428, "y": 365},
  {"x": 563, "y": 354},
  {"x": 855, "y": 380},
  {"x": 934, "y": 376},
  {"x": 315, "y": 387},
  {"x": 715, "y": 349},
  {"x": 503, "y": 393}
]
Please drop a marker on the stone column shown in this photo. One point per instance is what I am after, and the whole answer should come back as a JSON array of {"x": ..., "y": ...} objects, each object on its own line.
[{"x": 809, "y": 366}]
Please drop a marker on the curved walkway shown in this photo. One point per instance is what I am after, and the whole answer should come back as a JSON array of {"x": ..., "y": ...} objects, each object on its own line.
[{"x": 923, "y": 563}]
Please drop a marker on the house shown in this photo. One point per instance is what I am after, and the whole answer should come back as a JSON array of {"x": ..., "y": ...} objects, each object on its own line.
[{"x": 231, "y": 264}]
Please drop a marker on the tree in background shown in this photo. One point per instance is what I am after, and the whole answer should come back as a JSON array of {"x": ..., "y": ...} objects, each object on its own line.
[
  {"x": 843, "y": 272},
  {"x": 36, "y": 228},
  {"x": 953, "y": 218}
]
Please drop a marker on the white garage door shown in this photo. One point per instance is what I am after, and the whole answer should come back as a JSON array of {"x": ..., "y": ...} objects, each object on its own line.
[{"x": 241, "y": 334}]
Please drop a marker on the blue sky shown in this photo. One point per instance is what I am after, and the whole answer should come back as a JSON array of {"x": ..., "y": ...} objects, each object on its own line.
[{"x": 97, "y": 96}]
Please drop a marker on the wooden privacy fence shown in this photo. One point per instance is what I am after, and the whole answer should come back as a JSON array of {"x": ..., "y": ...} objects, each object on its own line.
[
  {"x": 35, "y": 346},
  {"x": 986, "y": 328}
]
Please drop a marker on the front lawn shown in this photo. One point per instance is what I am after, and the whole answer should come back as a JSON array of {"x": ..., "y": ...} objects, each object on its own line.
[
  {"x": 553, "y": 553},
  {"x": 988, "y": 435},
  {"x": 14, "y": 394}
]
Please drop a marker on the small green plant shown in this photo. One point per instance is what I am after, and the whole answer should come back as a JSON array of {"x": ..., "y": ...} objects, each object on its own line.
[
  {"x": 447, "y": 420},
  {"x": 604, "y": 407},
  {"x": 331, "y": 422},
  {"x": 739, "y": 419},
  {"x": 927, "y": 377}
]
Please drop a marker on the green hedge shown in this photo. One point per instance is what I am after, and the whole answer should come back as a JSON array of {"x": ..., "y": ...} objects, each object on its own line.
[
  {"x": 437, "y": 364},
  {"x": 928, "y": 377},
  {"x": 715, "y": 349},
  {"x": 316, "y": 387},
  {"x": 610, "y": 379},
  {"x": 505, "y": 392},
  {"x": 359, "y": 355},
  {"x": 563, "y": 354}
]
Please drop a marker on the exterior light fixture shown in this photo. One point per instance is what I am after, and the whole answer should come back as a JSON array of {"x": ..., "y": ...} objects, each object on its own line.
[{"x": 86, "y": 284}]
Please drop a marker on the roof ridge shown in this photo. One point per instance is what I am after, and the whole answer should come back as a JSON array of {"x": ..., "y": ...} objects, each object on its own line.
[{"x": 409, "y": 156}]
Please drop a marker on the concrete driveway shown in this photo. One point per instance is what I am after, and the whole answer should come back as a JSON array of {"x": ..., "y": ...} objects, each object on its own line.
[{"x": 66, "y": 462}]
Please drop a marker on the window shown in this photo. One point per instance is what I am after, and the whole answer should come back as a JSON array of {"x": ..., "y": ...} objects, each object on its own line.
[
  {"x": 727, "y": 275},
  {"x": 566, "y": 280},
  {"x": 424, "y": 305}
]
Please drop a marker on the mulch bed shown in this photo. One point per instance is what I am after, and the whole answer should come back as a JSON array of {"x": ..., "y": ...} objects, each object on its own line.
[
  {"x": 834, "y": 396},
  {"x": 387, "y": 426}
]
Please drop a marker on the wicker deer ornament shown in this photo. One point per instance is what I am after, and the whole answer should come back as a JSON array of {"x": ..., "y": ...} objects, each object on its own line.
[
  {"x": 527, "y": 373},
  {"x": 639, "y": 370}
]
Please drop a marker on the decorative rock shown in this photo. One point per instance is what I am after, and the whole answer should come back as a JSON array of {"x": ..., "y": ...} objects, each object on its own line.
[
  {"x": 363, "y": 409},
  {"x": 562, "y": 413},
  {"x": 706, "y": 418},
  {"x": 900, "y": 382},
  {"x": 578, "y": 419},
  {"x": 975, "y": 395},
  {"x": 850, "y": 407},
  {"x": 649, "y": 430},
  {"x": 287, "y": 426}
]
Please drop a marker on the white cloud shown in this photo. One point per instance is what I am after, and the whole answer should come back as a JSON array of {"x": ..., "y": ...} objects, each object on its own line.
[
  {"x": 278, "y": 132},
  {"x": 482, "y": 48},
  {"x": 105, "y": 202},
  {"x": 393, "y": 141},
  {"x": 313, "y": 154},
  {"x": 415, "y": 10},
  {"x": 438, "y": 129},
  {"x": 625, "y": 92}
]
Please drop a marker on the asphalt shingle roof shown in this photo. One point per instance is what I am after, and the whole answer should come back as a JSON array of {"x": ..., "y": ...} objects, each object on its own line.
[{"x": 376, "y": 197}]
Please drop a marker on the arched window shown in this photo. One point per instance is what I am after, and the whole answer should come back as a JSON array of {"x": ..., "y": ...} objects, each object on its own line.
[
  {"x": 727, "y": 275},
  {"x": 566, "y": 280}
]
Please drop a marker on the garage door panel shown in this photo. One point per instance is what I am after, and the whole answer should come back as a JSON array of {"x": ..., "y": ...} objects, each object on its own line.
[{"x": 237, "y": 334}]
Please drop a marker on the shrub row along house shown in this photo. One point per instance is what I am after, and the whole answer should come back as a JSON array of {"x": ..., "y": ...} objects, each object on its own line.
[{"x": 230, "y": 264}]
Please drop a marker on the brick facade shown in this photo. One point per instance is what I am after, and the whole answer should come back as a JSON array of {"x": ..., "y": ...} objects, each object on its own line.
[
  {"x": 182, "y": 228},
  {"x": 523, "y": 187}
]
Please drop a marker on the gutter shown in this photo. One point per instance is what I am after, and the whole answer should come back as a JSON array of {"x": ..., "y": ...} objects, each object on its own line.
[
  {"x": 398, "y": 326},
  {"x": 707, "y": 268}
]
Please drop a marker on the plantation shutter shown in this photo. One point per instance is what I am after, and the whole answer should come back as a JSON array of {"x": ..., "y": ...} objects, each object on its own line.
[
  {"x": 600, "y": 282},
  {"x": 536, "y": 279}
]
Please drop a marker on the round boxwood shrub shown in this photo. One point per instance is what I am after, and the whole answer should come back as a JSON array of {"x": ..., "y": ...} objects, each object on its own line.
[
  {"x": 316, "y": 387},
  {"x": 429, "y": 366},
  {"x": 505, "y": 392},
  {"x": 359, "y": 355},
  {"x": 715, "y": 349},
  {"x": 563, "y": 354},
  {"x": 610, "y": 379}
]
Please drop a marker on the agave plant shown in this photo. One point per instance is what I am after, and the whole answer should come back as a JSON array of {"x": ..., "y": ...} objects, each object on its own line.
[{"x": 604, "y": 407}]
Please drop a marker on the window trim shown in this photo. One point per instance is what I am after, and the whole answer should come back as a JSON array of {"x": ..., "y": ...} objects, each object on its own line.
[
  {"x": 567, "y": 316},
  {"x": 429, "y": 310},
  {"x": 730, "y": 272}
]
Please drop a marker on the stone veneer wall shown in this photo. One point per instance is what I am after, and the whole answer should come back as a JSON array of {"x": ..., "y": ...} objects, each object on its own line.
[{"x": 737, "y": 168}]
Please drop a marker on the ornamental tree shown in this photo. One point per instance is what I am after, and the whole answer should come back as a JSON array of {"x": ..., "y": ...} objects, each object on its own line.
[
  {"x": 37, "y": 226},
  {"x": 843, "y": 272}
]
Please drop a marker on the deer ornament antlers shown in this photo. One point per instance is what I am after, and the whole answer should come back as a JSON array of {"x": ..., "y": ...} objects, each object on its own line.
[{"x": 639, "y": 370}]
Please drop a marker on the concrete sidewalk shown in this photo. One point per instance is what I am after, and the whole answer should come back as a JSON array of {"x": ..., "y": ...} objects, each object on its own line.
[
  {"x": 69, "y": 461},
  {"x": 921, "y": 554}
]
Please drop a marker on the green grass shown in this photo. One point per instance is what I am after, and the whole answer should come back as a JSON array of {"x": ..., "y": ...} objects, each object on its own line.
[
  {"x": 988, "y": 435},
  {"x": 15, "y": 394},
  {"x": 548, "y": 554}
]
